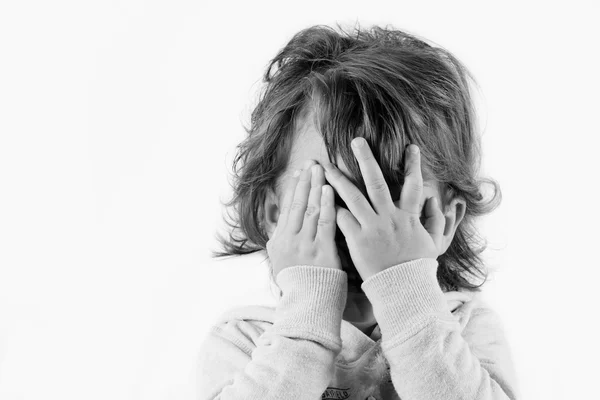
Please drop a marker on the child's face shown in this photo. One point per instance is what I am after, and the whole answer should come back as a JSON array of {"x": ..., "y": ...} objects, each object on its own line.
[{"x": 309, "y": 144}]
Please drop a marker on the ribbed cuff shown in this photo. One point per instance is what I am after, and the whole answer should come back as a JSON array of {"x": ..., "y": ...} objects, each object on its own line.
[
  {"x": 312, "y": 304},
  {"x": 405, "y": 298}
]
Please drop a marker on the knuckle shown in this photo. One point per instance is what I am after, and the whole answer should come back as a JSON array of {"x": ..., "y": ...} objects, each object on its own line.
[
  {"x": 364, "y": 156},
  {"x": 324, "y": 222},
  {"x": 344, "y": 216},
  {"x": 355, "y": 197},
  {"x": 296, "y": 205},
  {"x": 414, "y": 187},
  {"x": 381, "y": 229},
  {"x": 311, "y": 210},
  {"x": 378, "y": 186},
  {"x": 413, "y": 220}
]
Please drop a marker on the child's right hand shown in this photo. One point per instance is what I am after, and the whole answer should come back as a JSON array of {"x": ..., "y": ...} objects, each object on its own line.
[{"x": 305, "y": 231}]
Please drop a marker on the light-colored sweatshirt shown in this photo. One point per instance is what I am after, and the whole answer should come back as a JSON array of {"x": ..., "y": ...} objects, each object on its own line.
[{"x": 429, "y": 344}]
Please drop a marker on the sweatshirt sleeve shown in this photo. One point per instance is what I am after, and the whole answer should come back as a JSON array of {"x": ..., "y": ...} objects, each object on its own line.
[
  {"x": 294, "y": 357},
  {"x": 428, "y": 356}
]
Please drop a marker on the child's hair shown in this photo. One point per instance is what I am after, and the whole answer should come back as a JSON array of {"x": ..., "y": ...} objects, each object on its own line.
[{"x": 387, "y": 86}]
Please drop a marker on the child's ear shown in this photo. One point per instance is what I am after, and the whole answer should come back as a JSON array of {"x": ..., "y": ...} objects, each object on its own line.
[
  {"x": 271, "y": 208},
  {"x": 453, "y": 214}
]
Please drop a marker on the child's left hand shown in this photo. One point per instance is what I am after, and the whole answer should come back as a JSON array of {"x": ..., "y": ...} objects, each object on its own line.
[{"x": 381, "y": 238}]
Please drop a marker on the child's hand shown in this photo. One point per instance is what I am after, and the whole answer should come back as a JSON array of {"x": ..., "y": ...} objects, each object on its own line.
[
  {"x": 387, "y": 236},
  {"x": 305, "y": 231}
]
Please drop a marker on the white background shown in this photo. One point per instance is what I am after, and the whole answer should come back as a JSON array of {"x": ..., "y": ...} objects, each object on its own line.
[{"x": 118, "y": 124}]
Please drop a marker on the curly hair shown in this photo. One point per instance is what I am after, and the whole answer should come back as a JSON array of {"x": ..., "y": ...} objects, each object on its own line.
[{"x": 389, "y": 87}]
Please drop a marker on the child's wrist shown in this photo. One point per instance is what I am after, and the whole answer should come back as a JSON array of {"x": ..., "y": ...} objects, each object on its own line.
[
  {"x": 312, "y": 303},
  {"x": 406, "y": 297}
]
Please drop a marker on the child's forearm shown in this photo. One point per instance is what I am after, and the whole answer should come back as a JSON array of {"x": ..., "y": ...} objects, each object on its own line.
[
  {"x": 430, "y": 356},
  {"x": 294, "y": 358}
]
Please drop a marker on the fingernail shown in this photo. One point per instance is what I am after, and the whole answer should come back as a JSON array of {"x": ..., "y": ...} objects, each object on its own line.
[
  {"x": 328, "y": 166},
  {"x": 413, "y": 148},
  {"x": 358, "y": 142},
  {"x": 308, "y": 163},
  {"x": 296, "y": 173}
]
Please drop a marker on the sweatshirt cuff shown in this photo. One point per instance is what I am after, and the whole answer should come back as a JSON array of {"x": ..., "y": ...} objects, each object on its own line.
[
  {"x": 406, "y": 298},
  {"x": 312, "y": 304}
]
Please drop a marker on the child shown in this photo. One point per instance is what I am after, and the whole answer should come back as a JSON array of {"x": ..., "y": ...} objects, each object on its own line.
[{"x": 359, "y": 179}]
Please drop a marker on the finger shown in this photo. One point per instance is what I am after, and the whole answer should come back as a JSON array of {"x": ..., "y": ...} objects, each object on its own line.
[
  {"x": 434, "y": 221},
  {"x": 326, "y": 224},
  {"x": 354, "y": 199},
  {"x": 377, "y": 187},
  {"x": 298, "y": 206},
  {"x": 288, "y": 197},
  {"x": 346, "y": 221},
  {"x": 313, "y": 208},
  {"x": 412, "y": 190}
]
